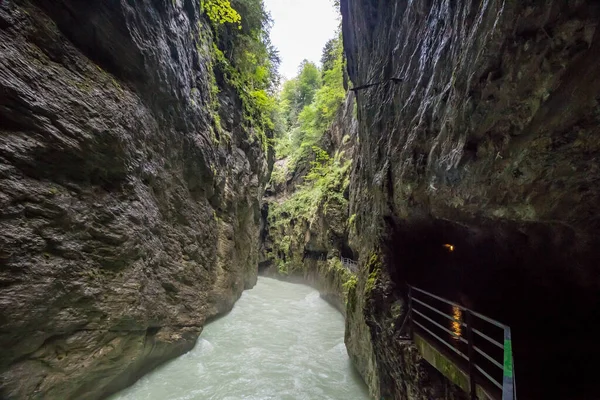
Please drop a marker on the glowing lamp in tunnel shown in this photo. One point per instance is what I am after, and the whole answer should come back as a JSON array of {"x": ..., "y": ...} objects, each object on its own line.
[{"x": 449, "y": 247}]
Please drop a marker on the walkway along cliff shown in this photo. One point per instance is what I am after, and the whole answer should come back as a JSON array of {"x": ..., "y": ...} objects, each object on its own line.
[{"x": 486, "y": 139}]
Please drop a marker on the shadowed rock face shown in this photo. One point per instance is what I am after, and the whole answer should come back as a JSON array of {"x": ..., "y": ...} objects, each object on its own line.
[
  {"x": 490, "y": 143},
  {"x": 125, "y": 223}
]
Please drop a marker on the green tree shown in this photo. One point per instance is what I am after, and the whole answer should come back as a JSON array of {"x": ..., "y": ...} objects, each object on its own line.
[
  {"x": 331, "y": 95},
  {"x": 299, "y": 92},
  {"x": 309, "y": 81},
  {"x": 287, "y": 98},
  {"x": 329, "y": 54},
  {"x": 309, "y": 103}
]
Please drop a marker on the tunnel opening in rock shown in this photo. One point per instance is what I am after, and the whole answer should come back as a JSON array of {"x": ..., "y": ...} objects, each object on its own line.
[
  {"x": 539, "y": 279},
  {"x": 346, "y": 251}
]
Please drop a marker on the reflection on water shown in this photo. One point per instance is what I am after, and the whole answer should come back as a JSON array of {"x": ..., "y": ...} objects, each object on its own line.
[{"x": 455, "y": 325}]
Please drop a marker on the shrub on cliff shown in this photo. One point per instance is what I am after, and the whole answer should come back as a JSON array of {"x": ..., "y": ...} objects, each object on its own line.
[
  {"x": 220, "y": 11},
  {"x": 246, "y": 59}
]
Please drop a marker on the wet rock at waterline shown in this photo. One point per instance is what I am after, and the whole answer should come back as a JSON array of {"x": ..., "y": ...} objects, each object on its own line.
[{"x": 124, "y": 222}]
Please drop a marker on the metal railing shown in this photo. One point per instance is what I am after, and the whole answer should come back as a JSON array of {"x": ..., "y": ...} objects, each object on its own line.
[
  {"x": 481, "y": 343},
  {"x": 350, "y": 264}
]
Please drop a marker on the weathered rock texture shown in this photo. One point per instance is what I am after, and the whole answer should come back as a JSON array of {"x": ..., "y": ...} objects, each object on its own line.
[
  {"x": 491, "y": 143},
  {"x": 308, "y": 248},
  {"x": 126, "y": 217}
]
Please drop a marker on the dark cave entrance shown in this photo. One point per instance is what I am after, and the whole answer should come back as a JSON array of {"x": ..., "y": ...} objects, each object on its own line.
[
  {"x": 346, "y": 251},
  {"x": 541, "y": 280}
]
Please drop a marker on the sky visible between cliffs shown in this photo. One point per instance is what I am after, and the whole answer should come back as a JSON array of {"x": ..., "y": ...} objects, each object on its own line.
[{"x": 300, "y": 30}]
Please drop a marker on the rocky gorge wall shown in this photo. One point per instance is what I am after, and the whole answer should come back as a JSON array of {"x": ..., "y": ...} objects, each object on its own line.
[
  {"x": 489, "y": 142},
  {"x": 128, "y": 216}
]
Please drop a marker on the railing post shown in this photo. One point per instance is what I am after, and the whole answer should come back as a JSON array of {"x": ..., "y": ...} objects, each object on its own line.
[
  {"x": 409, "y": 316},
  {"x": 471, "y": 354},
  {"x": 508, "y": 384}
]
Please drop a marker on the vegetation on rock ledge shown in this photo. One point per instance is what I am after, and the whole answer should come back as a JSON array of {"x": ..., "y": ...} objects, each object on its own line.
[{"x": 246, "y": 60}]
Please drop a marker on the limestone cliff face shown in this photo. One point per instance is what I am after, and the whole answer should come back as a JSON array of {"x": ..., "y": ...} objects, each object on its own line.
[
  {"x": 127, "y": 217},
  {"x": 490, "y": 142}
]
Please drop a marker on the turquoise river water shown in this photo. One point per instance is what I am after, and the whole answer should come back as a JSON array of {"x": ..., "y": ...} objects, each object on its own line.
[{"x": 280, "y": 341}]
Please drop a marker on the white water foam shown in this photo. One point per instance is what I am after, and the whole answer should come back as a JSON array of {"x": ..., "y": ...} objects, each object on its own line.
[{"x": 280, "y": 342}]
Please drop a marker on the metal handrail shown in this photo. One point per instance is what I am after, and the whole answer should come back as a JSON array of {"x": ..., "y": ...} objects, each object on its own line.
[
  {"x": 483, "y": 317},
  {"x": 507, "y": 386},
  {"x": 454, "y": 335},
  {"x": 441, "y": 313},
  {"x": 442, "y": 341},
  {"x": 349, "y": 263},
  {"x": 489, "y": 339}
]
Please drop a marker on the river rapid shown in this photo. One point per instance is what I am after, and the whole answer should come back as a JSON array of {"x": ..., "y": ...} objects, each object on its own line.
[{"x": 280, "y": 341}]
